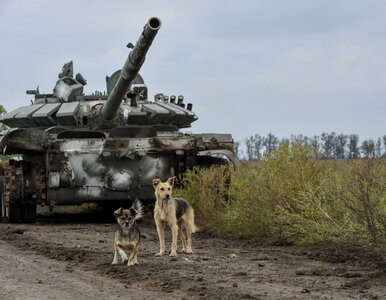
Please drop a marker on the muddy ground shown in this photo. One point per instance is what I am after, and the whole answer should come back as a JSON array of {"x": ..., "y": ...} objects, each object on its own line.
[{"x": 63, "y": 257}]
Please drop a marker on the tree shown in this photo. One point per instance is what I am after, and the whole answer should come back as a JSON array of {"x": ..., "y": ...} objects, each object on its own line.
[
  {"x": 328, "y": 144},
  {"x": 284, "y": 142},
  {"x": 237, "y": 149},
  {"x": 314, "y": 142},
  {"x": 258, "y": 142},
  {"x": 368, "y": 148},
  {"x": 270, "y": 143},
  {"x": 249, "y": 148},
  {"x": 340, "y": 142},
  {"x": 353, "y": 148},
  {"x": 378, "y": 148},
  {"x": 384, "y": 142},
  {"x": 297, "y": 138},
  {"x": 3, "y": 128}
]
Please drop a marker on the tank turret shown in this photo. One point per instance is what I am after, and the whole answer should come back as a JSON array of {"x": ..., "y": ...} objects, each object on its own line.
[{"x": 130, "y": 70}]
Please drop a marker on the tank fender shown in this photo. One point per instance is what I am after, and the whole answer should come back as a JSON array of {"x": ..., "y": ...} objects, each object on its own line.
[
  {"x": 228, "y": 153},
  {"x": 4, "y": 140}
]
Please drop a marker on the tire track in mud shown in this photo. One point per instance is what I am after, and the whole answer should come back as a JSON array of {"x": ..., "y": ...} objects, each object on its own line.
[
  {"x": 75, "y": 258},
  {"x": 220, "y": 269},
  {"x": 25, "y": 275},
  {"x": 150, "y": 276}
]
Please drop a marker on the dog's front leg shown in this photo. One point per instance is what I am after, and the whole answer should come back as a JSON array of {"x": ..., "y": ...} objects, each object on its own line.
[
  {"x": 133, "y": 257},
  {"x": 174, "y": 240},
  {"x": 115, "y": 260},
  {"x": 123, "y": 255},
  {"x": 161, "y": 236}
]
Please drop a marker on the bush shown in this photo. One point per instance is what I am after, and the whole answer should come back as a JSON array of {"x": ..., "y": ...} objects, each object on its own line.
[
  {"x": 207, "y": 191},
  {"x": 292, "y": 198},
  {"x": 364, "y": 195}
]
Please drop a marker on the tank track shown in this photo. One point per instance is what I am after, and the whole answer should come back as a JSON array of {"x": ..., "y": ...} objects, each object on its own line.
[{"x": 16, "y": 207}]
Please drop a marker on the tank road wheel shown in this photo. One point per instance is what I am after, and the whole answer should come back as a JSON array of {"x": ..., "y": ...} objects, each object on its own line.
[
  {"x": 15, "y": 207},
  {"x": 10, "y": 211}
]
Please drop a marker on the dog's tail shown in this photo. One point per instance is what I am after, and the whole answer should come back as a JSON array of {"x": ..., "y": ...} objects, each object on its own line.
[
  {"x": 195, "y": 228},
  {"x": 190, "y": 221}
]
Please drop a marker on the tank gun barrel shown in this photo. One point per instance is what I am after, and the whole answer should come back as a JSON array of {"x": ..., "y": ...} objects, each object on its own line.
[{"x": 130, "y": 69}]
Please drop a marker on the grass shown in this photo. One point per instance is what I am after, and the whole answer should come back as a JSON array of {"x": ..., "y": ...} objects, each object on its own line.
[{"x": 292, "y": 198}]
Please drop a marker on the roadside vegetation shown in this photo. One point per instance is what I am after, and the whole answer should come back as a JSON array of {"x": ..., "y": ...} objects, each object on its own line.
[
  {"x": 3, "y": 130},
  {"x": 291, "y": 197}
]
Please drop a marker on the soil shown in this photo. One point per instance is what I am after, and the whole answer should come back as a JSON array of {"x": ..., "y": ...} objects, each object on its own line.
[{"x": 69, "y": 257}]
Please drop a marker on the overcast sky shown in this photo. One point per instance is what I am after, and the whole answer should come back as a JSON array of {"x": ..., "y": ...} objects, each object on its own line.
[{"x": 286, "y": 67}]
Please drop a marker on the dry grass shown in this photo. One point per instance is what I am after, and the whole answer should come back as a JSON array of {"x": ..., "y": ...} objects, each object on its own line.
[{"x": 291, "y": 198}]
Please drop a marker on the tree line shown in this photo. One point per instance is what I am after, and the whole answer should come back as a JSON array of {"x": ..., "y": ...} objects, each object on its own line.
[{"x": 325, "y": 146}]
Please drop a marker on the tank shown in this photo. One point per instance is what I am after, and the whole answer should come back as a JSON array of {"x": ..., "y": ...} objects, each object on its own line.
[{"x": 70, "y": 148}]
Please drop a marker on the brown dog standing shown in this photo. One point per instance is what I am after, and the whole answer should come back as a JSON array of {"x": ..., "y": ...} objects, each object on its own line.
[{"x": 175, "y": 212}]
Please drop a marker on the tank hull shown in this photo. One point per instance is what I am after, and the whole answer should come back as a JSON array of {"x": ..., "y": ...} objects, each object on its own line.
[{"x": 75, "y": 167}]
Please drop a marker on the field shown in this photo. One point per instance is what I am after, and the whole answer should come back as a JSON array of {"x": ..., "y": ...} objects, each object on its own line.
[{"x": 68, "y": 257}]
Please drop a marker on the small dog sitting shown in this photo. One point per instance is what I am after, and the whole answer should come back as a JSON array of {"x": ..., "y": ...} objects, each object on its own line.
[
  {"x": 128, "y": 235},
  {"x": 175, "y": 212}
]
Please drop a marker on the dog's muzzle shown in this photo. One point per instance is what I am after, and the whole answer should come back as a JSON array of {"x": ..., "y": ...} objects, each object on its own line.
[{"x": 127, "y": 224}]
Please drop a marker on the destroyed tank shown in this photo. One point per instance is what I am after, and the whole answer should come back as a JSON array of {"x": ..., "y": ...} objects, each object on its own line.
[{"x": 69, "y": 148}]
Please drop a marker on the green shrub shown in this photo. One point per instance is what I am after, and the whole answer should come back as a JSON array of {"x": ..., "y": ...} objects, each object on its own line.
[
  {"x": 292, "y": 198},
  {"x": 207, "y": 191},
  {"x": 364, "y": 195}
]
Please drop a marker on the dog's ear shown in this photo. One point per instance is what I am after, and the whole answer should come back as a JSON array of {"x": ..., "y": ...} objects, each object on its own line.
[
  {"x": 156, "y": 182},
  {"x": 137, "y": 209},
  {"x": 118, "y": 212},
  {"x": 171, "y": 180}
]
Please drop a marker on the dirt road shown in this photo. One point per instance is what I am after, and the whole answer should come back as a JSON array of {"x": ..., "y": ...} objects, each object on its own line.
[{"x": 72, "y": 260}]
